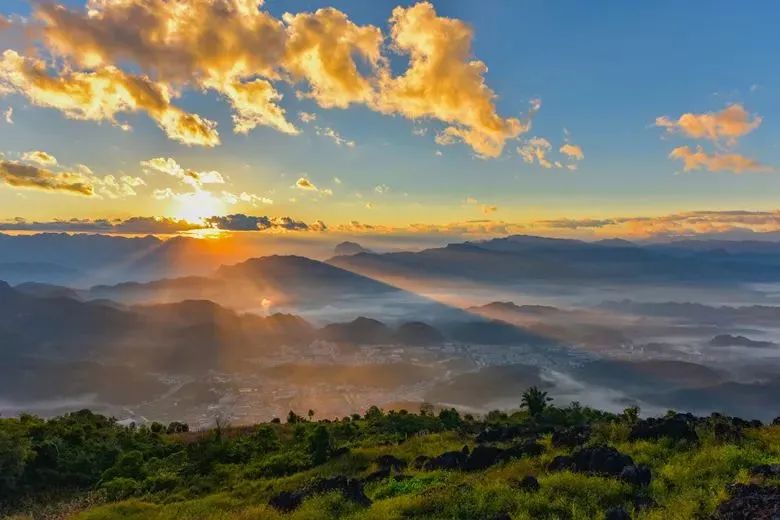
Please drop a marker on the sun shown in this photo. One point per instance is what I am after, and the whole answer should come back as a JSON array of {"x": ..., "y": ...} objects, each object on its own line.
[{"x": 197, "y": 206}]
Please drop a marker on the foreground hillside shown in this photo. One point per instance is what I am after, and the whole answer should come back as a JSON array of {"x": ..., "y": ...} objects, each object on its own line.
[{"x": 542, "y": 462}]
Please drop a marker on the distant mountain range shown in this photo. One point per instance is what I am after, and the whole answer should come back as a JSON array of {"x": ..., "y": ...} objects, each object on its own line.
[
  {"x": 82, "y": 260},
  {"x": 522, "y": 258}
]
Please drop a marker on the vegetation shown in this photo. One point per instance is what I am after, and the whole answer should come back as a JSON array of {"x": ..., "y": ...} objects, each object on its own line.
[{"x": 381, "y": 465}]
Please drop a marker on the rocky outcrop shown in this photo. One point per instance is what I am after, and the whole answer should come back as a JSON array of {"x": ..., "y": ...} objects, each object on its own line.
[
  {"x": 750, "y": 502},
  {"x": 350, "y": 488},
  {"x": 571, "y": 437},
  {"x": 678, "y": 427},
  {"x": 604, "y": 461}
]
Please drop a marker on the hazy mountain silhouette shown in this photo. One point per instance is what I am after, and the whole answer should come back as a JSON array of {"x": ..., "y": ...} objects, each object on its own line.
[{"x": 523, "y": 258}]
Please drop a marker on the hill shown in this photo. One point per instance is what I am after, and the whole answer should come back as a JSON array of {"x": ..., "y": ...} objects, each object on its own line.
[{"x": 546, "y": 462}]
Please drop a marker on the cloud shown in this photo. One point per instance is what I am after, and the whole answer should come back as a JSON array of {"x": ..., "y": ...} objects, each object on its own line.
[
  {"x": 143, "y": 225},
  {"x": 487, "y": 210},
  {"x": 444, "y": 81},
  {"x": 535, "y": 150},
  {"x": 307, "y": 117},
  {"x": 334, "y": 136},
  {"x": 241, "y": 222},
  {"x": 381, "y": 189},
  {"x": 40, "y": 157},
  {"x": 699, "y": 159},
  {"x": 321, "y": 49},
  {"x": 738, "y": 223},
  {"x": 240, "y": 51},
  {"x": 101, "y": 95},
  {"x": 728, "y": 125},
  {"x": 19, "y": 175},
  {"x": 305, "y": 184},
  {"x": 251, "y": 198},
  {"x": 113, "y": 187},
  {"x": 164, "y": 225},
  {"x": 572, "y": 151},
  {"x": 8, "y": 115},
  {"x": 192, "y": 178}
]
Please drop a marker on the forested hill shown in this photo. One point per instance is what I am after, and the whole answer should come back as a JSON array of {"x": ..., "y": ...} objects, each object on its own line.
[{"x": 543, "y": 462}]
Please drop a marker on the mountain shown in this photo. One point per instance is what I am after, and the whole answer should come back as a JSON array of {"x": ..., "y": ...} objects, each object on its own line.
[
  {"x": 361, "y": 330},
  {"x": 276, "y": 280},
  {"x": 88, "y": 259},
  {"x": 521, "y": 258},
  {"x": 418, "y": 333},
  {"x": 700, "y": 313},
  {"x": 349, "y": 248},
  {"x": 727, "y": 340}
]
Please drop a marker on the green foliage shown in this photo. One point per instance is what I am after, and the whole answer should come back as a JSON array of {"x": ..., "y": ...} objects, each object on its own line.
[
  {"x": 165, "y": 473},
  {"x": 535, "y": 401},
  {"x": 319, "y": 444}
]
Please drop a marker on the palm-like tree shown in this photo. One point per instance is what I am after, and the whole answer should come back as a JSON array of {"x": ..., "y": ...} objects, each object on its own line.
[{"x": 535, "y": 400}]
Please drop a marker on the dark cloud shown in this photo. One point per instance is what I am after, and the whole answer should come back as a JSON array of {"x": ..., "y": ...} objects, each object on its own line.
[
  {"x": 241, "y": 222},
  {"x": 150, "y": 225}
]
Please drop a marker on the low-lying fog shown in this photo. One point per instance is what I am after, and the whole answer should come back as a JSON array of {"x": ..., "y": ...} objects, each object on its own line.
[{"x": 148, "y": 352}]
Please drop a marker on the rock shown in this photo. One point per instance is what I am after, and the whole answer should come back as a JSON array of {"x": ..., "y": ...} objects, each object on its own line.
[
  {"x": 483, "y": 457},
  {"x": 560, "y": 463},
  {"x": 287, "y": 501},
  {"x": 750, "y": 502},
  {"x": 379, "y": 474},
  {"x": 571, "y": 437},
  {"x": 389, "y": 461},
  {"x": 504, "y": 433},
  {"x": 765, "y": 470},
  {"x": 339, "y": 452},
  {"x": 419, "y": 462},
  {"x": 350, "y": 488},
  {"x": 727, "y": 432},
  {"x": 448, "y": 460},
  {"x": 643, "y": 502},
  {"x": 677, "y": 427},
  {"x": 600, "y": 460},
  {"x": 636, "y": 475},
  {"x": 617, "y": 513},
  {"x": 526, "y": 449},
  {"x": 501, "y": 516},
  {"x": 528, "y": 483}
]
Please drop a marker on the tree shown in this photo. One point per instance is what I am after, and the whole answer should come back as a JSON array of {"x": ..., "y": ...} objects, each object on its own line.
[
  {"x": 319, "y": 445},
  {"x": 535, "y": 401},
  {"x": 450, "y": 419},
  {"x": 631, "y": 414}
]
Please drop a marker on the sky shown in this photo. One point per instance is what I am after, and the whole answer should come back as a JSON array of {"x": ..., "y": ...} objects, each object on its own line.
[{"x": 585, "y": 119}]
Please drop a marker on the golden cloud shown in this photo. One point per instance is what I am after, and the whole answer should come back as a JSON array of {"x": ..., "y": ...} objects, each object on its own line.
[
  {"x": 321, "y": 50},
  {"x": 444, "y": 81},
  {"x": 728, "y": 125},
  {"x": 305, "y": 184},
  {"x": 572, "y": 151},
  {"x": 40, "y": 157},
  {"x": 192, "y": 178},
  {"x": 101, "y": 95},
  {"x": 699, "y": 159},
  {"x": 19, "y": 175},
  {"x": 238, "y": 50}
]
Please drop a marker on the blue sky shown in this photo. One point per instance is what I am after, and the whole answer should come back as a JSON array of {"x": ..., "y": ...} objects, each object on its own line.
[{"x": 604, "y": 72}]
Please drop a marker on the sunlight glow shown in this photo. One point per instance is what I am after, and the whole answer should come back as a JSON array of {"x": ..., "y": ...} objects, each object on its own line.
[{"x": 197, "y": 206}]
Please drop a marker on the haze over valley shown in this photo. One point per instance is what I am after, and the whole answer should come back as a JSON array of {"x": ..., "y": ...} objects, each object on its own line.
[{"x": 682, "y": 325}]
